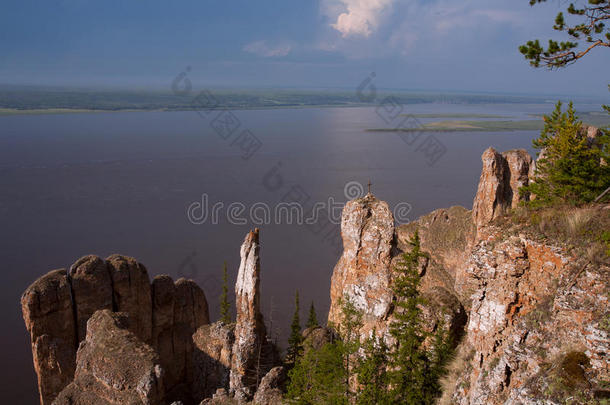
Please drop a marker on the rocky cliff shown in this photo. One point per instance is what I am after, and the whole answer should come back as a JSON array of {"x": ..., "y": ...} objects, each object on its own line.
[
  {"x": 102, "y": 333},
  {"x": 526, "y": 295}
]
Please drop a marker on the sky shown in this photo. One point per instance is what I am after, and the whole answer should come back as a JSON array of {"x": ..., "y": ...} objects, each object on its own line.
[{"x": 436, "y": 45}]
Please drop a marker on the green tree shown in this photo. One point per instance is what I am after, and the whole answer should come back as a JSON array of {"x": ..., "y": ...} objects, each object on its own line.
[
  {"x": 225, "y": 304},
  {"x": 589, "y": 28},
  {"x": 409, "y": 362},
  {"x": 318, "y": 376},
  {"x": 372, "y": 372},
  {"x": 312, "y": 319},
  {"x": 295, "y": 340},
  {"x": 568, "y": 169},
  {"x": 349, "y": 331}
]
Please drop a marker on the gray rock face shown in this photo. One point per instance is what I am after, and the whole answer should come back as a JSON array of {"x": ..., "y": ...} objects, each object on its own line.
[
  {"x": 113, "y": 366},
  {"x": 49, "y": 318},
  {"x": 363, "y": 272}
]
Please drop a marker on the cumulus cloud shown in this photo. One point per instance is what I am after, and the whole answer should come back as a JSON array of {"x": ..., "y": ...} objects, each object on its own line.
[
  {"x": 360, "y": 17},
  {"x": 263, "y": 48}
]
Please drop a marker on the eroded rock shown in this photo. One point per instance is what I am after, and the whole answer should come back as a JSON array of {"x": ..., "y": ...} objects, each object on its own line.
[
  {"x": 114, "y": 366},
  {"x": 253, "y": 354},
  {"x": 91, "y": 289},
  {"x": 49, "y": 318},
  {"x": 131, "y": 293},
  {"x": 363, "y": 273}
]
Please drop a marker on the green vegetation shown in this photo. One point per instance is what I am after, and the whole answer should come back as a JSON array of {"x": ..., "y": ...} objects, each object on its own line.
[
  {"x": 470, "y": 126},
  {"x": 225, "y": 304},
  {"x": 454, "y": 115},
  {"x": 312, "y": 319},
  {"x": 295, "y": 341},
  {"x": 56, "y": 100},
  {"x": 353, "y": 370},
  {"x": 590, "y": 28},
  {"x": 569, "y": 169}
]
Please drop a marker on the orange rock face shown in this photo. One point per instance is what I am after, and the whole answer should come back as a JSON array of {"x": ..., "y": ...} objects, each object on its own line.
[{"x": 501, "y": 178}]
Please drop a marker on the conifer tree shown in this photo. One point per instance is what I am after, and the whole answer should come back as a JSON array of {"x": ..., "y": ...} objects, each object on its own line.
[
  {"x": 312, "y": 320},
  {"x": 409, "y": 362},
  {"x": 372, "y": 372},
  {"x": 296, "y": 338},
  {"x": 569, "y": 169},
  {"x": 225, "y": 304}
]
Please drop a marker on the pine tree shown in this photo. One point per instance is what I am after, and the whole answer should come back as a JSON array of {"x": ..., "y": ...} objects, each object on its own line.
[
  {"x": 318, "y": 376},
  {"x": 295, "y": 340},
  {"x": 569, "y": 169},
  {"x": 349, "y": 331},
  {"x": 225, "y": 304},
  {"x": 372, "y": 372},
  {"x": 312, "y": 320},
  {"x": 409, "y": 362}
]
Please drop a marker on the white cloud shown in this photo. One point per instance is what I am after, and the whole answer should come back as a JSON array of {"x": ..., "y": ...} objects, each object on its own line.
[
  {"x": 360, "y": 17},
  {"x": 262, "y": 48}
]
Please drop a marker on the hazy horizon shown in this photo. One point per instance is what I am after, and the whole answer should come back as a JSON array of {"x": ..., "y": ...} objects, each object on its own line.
[{"x": 437, "y": 46}]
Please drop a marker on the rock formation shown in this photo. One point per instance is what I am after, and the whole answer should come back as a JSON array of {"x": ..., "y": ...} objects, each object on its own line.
[
  {"x": 363, "y": 273},
  {"x": 131, "y": 293},
  {"x": 212, "y": 358},
  {"x": 91, "y": 289},
  {"x": 501, "y": 177},
  {"x": 57, "y": 307},
  {"x": 253, "y": 355},
  {"x": 49, "y": 318},
  {"x": 114, "y": 366}
]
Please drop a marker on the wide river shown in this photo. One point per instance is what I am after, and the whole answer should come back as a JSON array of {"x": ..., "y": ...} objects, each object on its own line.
[{"x": 123, "y": 183}]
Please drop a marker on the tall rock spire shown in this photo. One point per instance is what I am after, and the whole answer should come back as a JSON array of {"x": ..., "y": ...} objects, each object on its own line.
[{"x": 253, "y": 355}]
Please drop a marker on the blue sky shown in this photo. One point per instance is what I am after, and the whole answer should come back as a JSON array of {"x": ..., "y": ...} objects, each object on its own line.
[{"x": 410, "y": 44}]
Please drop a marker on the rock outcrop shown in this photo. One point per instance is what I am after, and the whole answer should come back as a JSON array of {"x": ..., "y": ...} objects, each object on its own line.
[
  {"x": 114, "y": 366},
  {"x": 252, "y": 355},
  {"x": 91, "y": 289},
  {"x": 147, "y": 343},
  {"x": 534, "y": 306},
  {"x": 131, "y": 293},
  {"x": 57, "y": 307},
  {"x": 212, "y": 358},
  {"x": 49, "y": 318},
  {"x": 501, "y": 178},
  {"x": 271, "y": 388},
  {"x": 363, "y": 273}
]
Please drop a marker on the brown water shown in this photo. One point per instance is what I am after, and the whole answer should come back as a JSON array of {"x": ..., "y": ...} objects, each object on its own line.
[{"x": 122, "y": 182}]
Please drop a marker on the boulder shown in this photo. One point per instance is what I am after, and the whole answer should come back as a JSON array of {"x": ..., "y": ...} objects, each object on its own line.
[
  {"x": 49, "y": 318},
  {"x": 114, "y": 366},
  {"x": 271, "y": 387}
]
